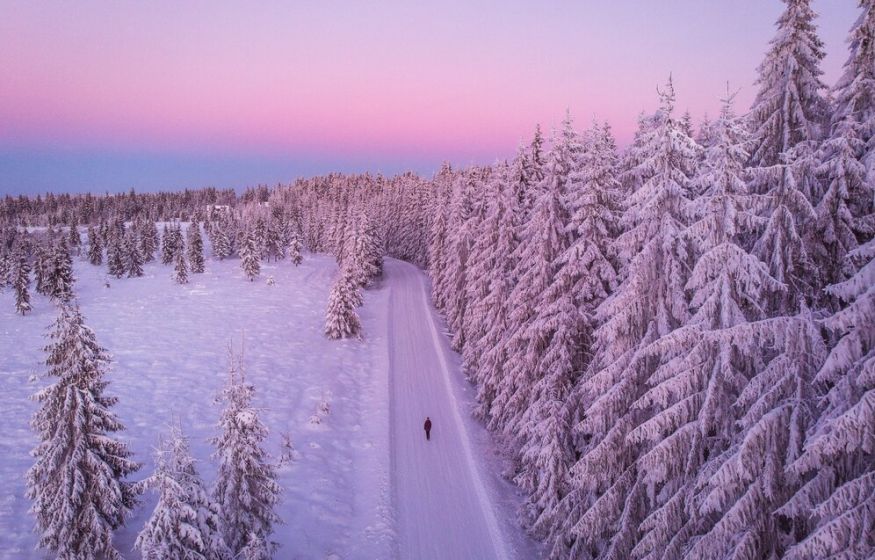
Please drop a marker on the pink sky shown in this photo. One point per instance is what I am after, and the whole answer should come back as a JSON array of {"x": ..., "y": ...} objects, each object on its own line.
[{"x": 370, "y": 85}]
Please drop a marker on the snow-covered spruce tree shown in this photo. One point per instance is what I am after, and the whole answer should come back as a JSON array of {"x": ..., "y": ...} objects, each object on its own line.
[
  {"x": 195, "y": 248},
  {"x": 505, "y": 216},
  {"x": 614, "y": 497},
  {"x": 259, "y": 236},
  {"x": 95, "y": 247},
  {"x": 148, "y": 235},
  {"x": 543, "y": 240},
  {"x": 371, "y": 249},
  {"x": 841, "y": 224},
  {"x": 341, "y": 319},
  {"x": 167, "y": 245},
  {"x": 839, "y": 456},
  {"x": 273, "y": 243},
  {"x": 133, "y": 256},
  {"x": 482, "y": 265},
  {"x": 5, "y": 268},
  {"x": 535, "y": 164},
  {"x": 361, "y": 252},
  {"x": 103, "y": 233},
  {"x": 115, "y": 261},
  {"x": 781, "y": 244},
  {"x": 346, "y": 247},
  {"x": 180, "y": 268},
  {"x": 177, "y": 239},
  {"x": 250, "y": 259},
  {"x": 438, "y": 242},
  {"x": 835, "y": 229},
  {"x": 594, "y": 203},
  {"x": 295, "y": 249},
  {"x": 42, "y": 267},
  {"x": 703, "y": 365},
  {"x": 185, "y": 522},
  {"x": 789, "y": 107},
  {"x": 77, "y": 482},
  {"x": 246, "y": 491},
  {"x": 632, "y": 173},
  {"x": 705, "y": 136},
  {"x": 20, "y": 282},
  {"x": 60, "y": 279},
  {"x": 554, "y": 346},
  {"x": 587, "y": 274},
  {"x": 789, "y": 117},
  {"x": 256, "y": 548},
  {"x": 855, "y": 96},
  {"x": 222, "y": 244},
  {"x": 463, "y": 219},
  {"x": 73, "y": 237},
  {"x": 743, "y": 490}
]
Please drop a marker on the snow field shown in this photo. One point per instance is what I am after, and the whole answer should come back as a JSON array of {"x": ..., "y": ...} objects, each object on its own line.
[{"x": 170, "y": 356}]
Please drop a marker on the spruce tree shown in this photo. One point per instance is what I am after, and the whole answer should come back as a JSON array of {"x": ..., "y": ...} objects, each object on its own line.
[
  {"x": 703, "y": 365},
  {"x": 250, "y": 260},
  {"x": 256, "y": 548},
  {"x": 648, "y": 304},
  {"x": 842, "y": 214},
  {"x": 541, "y": 418},
  {"x": 185, "y": 523},
  {"x": 742, "y": 490},
  {"x": 295, "y": 249},
  {"x": 167, "y": 246},
  {"x": 273, "y": 243},
  {"x": 42, "y": 270},
  {"x": 438, "y": 234},
  {"x": 789, "y": 108},
  {"x": 73, "y": 238},
  {"x": 5, "y": 271},
  {"x": 543, "y": 240},
  {"x": 180, "y": 268},
  {"x": 855, "y": 98},
  {"x": 463, "y": 206},
  {"x": 95, "y": 247},
  {"x": 246, "y": 491},
  {"x": 508, "y": 214},
  {"x": 222, "y": 243},
  {"x": 148, "y": 240},
  {"x": 115, "y": 260},
  {"x": 195, "y": 248},
  {"x": 341, "y": 320},
  {"x": 60, "y": 280},
  {"x": 837, "y": 464},
  {"x": 259, "y": 236},
  {"x": 132, "y": 254},
  {"x": 483, "y": 262},
  {"x": 20, "y": 282},
  {"x": 77, "y": 482}
]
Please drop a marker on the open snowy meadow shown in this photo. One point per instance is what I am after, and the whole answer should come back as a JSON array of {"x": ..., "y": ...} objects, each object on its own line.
[
  {"x": 170, "y": 359},
  {"x": 170, "y": 347}
]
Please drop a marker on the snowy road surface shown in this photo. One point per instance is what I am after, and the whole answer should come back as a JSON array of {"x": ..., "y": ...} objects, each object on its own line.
[{"x": 443, "y": 508}]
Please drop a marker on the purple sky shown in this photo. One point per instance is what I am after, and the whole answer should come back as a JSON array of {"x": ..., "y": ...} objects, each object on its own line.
[{"x": 100, "y": 95}]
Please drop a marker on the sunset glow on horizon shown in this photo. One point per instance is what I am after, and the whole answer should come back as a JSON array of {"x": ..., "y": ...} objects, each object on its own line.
[{"x": 233, "y": 94}]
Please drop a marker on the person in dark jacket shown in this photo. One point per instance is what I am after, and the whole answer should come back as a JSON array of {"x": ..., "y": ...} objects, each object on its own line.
[{"x": 427, "y": 428}]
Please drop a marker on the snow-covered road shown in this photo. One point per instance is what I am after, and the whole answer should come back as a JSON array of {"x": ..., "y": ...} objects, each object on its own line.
[{"x": 443, "y": 507}]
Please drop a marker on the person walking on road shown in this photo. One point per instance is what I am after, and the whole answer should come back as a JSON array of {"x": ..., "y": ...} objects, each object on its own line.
[{"x": 427, "y": 428}]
